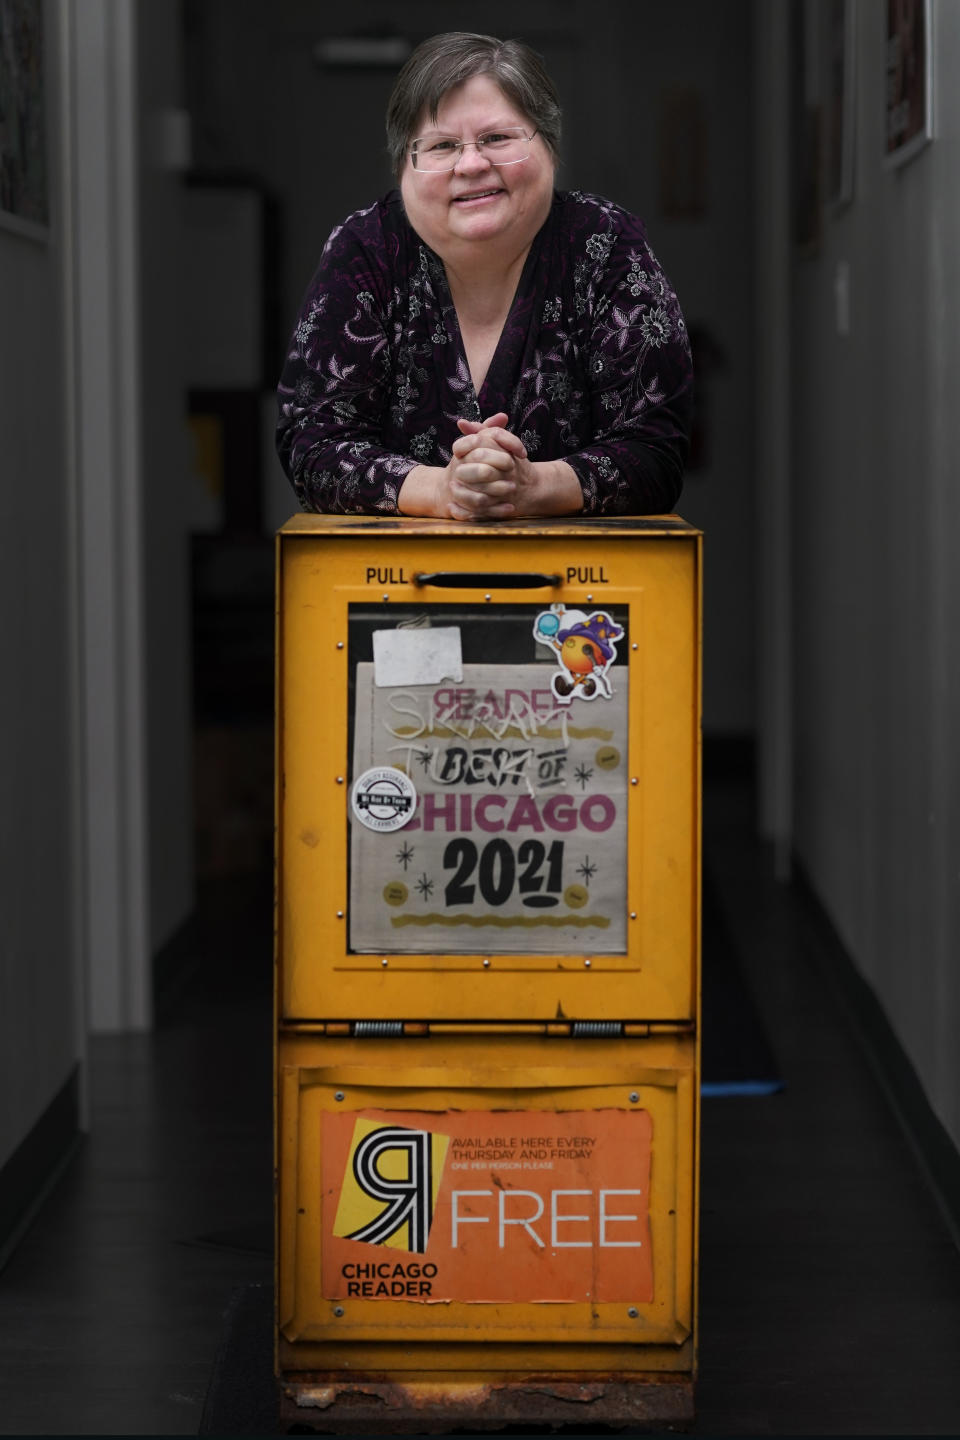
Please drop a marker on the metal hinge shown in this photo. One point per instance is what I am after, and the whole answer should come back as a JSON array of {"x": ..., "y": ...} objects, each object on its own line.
[{"x": 553, "y": 1029}]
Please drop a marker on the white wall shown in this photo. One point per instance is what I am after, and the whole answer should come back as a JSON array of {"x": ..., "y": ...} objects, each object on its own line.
[
  {"x": 103, "y": 387},
  {"x": 167, "y": 478},
  {"x": 74, "y": 444},
  {"x": 39, "y": 1039},
  {"x": 112, "y": 405},
  {"x": 876, "y": 428}
]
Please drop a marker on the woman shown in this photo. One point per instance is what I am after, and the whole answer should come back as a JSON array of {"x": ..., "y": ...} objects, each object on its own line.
[{"x": 479, "y": 345}]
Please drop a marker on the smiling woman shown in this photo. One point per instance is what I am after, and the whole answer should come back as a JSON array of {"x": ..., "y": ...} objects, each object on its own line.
[{"x": 479, "y": 345}]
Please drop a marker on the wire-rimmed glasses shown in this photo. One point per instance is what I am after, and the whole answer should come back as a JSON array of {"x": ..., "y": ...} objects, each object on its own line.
[{"x": 435, "y": 153}]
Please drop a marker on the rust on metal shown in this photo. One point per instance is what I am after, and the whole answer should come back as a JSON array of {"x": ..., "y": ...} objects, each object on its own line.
[{"x": 377, "y": 1404}]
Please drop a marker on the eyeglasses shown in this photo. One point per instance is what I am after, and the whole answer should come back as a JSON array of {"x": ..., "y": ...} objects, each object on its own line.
[{"x": 434, "y": 153}]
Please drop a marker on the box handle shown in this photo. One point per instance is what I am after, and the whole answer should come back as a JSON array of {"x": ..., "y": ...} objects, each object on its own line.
[{"x": 486, "y": 579}]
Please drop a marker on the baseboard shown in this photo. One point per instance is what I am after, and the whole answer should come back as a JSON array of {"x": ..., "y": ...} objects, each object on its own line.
[
  {"x": 892, "y": 1067},
  {"x": 37, "y": 1163}
]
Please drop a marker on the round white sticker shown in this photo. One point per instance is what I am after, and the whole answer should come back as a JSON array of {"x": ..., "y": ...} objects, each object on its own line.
[{"x": 384, "y": 798}]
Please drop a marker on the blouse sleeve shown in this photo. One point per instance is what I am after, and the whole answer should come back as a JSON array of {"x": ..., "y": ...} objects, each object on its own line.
[
  {"x": 333, "y": 393},
  {"x": 641, "y": 380}
]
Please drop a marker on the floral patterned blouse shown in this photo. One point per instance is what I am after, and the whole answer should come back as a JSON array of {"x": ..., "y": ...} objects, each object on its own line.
[{"x": 593, "y": 365}]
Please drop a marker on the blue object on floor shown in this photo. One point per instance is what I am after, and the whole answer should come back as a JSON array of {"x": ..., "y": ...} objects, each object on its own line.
[{"x": 740, "y": 1087}]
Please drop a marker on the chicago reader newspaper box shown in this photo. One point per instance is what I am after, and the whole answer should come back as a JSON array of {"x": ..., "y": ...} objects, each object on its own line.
[{"x": 487, "y": 971}]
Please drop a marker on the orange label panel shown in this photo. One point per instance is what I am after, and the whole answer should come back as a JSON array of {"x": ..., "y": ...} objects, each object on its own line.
[{"x": 494, "y": 1206}]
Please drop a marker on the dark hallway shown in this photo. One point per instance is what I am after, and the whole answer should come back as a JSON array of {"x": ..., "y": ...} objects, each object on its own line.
[{"x": 196, "y": 155}]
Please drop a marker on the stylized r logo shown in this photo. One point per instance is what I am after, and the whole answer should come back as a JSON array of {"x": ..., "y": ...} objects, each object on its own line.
[{"x": 408, "y": 1199}]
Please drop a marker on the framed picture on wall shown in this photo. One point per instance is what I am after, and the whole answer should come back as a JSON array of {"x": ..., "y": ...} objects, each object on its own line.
[
  {"x": 909, "y": 79},
  {"x": 24, "y": 205},
  {"x": 840, "y": 107}
]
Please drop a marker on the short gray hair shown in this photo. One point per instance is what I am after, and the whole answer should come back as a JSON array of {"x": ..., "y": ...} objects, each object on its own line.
[{"x": 444, "y": 61}]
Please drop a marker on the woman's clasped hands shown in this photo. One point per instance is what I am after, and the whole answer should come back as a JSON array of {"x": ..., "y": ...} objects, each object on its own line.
[{"x": 489, "y": 476}]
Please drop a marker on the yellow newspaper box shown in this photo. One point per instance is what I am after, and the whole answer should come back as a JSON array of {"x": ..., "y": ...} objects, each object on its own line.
[{"x": 487, "y": 971}]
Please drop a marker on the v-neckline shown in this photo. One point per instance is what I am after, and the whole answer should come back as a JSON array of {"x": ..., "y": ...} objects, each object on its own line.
[{"x": 520, "y": 291}]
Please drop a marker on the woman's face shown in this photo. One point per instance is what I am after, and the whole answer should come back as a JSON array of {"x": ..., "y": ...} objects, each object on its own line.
[{"x": 478, "y": 204}]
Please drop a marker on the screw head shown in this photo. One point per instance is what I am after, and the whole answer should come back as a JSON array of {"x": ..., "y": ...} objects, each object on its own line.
[
  {"x": 488, "y": 597},
  {"x": 486, "y": 964},
  {"x": 338, "y": 1095},
  {"x": 586, "y": 964},
  {"x": 339, "y": 914},
  {"x": 634, "y": 646},
  {"x": 338, "y": 1311},
  {"x": 339, "y": 779},
  {"x": 633, "y": 1312},
  {"x": 633, "y": 914},
  {"x": 384, "y": 962},
  {"x": 589, "y": 599},
  {"x": 339, "y": 644},
  {"x": 634, "y": 1097},
  {"x": 633, "y": 779}
]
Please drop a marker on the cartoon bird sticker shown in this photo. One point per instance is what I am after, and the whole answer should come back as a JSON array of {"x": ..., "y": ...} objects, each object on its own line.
[{"x": 585, "y": 647}]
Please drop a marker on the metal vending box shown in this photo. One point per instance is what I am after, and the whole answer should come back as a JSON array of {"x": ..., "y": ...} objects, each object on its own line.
[{"x": 487, "y": 997}]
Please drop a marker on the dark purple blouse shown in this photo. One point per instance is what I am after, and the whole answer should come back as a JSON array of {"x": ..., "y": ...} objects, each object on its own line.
[{"x": 593, "y": 366}]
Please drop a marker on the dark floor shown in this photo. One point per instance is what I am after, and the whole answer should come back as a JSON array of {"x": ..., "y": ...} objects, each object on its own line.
[{"x": 830, "y": 1300}]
